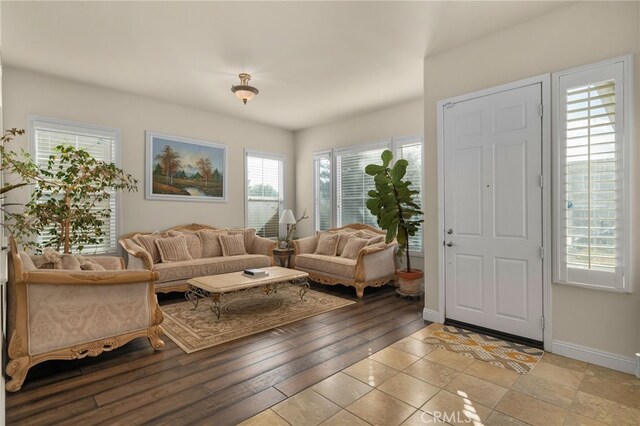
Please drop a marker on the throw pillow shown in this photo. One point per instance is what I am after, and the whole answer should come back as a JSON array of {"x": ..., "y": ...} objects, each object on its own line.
[
  {"x": 194, "y": 245},
  {"x": 70, "y": 263},
  {"x": 89, "y": 264},
  {"x": 248, "y": 233},
  {"x": 327, "y": 244},
  {"x": 353, "y": 247},
  {"x": 148, "y": 242},
  {"x": 27, "y": 262},
  {"x": 173, "y": 249},
  {"x": 210, "y": 242},
  {"x": 232, "y": 245},
  {"x": 50, "y": 259}
]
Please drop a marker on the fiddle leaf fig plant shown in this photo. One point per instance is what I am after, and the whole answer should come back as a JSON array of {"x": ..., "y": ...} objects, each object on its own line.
[
  {"x": 69, "y": 200},
  {"x": 393, "y": 202}
]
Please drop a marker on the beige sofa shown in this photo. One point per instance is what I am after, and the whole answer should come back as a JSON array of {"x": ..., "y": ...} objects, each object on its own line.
[
  {"x": 373, "y": 266},
  {"x": 74, "y": 313},
  {"x": 173, "y": 276}
]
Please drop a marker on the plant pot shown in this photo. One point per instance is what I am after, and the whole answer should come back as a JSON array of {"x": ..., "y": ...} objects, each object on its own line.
[{"x": 410, "y": 283}]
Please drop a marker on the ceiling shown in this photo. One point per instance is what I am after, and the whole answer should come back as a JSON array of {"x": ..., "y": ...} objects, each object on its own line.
[{"x": 313, "y": 62}]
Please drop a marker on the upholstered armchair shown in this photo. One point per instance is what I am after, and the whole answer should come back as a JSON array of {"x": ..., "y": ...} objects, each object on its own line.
[
  {"x": 72, "y": 314},
  {"x": 373, "y": 266}
]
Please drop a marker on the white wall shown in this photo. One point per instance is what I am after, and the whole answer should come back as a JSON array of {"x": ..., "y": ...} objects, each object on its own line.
[
  {"x": 399, "y": 120},
  {"x": 579, "y": 34},
  {"x": 26, "y": 93}
]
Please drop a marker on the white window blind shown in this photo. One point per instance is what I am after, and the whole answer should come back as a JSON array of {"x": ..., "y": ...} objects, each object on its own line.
[
  {"x": 265, "y": 193},
  {"x": 591, "y": 205},
  {"x": 353, "y": 184},
  {"x": 100, "y": 143},
  {"x": 411, "y": 150},
  {"x": 322, "y": 191}
]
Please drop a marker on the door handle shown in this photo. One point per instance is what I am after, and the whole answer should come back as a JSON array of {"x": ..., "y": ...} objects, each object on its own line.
[
  {"x": 449, "y": 243},
  {"x": 449, "y": 231}
]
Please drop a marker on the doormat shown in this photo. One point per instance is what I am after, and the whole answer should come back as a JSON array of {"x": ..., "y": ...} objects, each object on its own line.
[
  {"x": 513, "y": 356},
  {"x": 243, "y": 314}
]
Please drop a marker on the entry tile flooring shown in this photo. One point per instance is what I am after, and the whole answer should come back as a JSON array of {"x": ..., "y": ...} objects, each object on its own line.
[{"x": 414, "y": 383}]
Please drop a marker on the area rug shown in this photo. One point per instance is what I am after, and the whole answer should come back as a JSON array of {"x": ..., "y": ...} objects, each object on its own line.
[
  {"x": 242, "y": 315},
  {"x": 514, "y": 356}
]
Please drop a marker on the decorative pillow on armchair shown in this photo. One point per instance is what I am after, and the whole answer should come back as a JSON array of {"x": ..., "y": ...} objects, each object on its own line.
[{"x": 148, "y": 242}]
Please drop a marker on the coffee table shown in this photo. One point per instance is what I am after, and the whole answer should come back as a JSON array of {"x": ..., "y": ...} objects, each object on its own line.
[{"x": 215, "y": 286}]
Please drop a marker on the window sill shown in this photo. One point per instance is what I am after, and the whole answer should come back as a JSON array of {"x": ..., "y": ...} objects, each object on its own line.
[{"x": 594, "y": 287}]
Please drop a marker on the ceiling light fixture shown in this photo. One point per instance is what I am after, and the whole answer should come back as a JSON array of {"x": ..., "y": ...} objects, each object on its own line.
[{"x": 244, "y": 91}]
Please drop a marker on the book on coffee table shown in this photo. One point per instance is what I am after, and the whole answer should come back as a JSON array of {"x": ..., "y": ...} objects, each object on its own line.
[{"x": 255, "y": 273}]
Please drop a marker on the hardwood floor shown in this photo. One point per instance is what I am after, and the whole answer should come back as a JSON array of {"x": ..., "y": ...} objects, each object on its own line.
[{"x": 222, "y": 385}]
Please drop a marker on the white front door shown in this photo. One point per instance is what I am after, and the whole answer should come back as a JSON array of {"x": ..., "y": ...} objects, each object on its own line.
[{"x": 493, "y": 211}]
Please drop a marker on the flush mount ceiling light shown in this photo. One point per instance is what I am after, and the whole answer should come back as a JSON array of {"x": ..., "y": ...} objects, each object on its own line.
[{"x": 244, "y": 91}]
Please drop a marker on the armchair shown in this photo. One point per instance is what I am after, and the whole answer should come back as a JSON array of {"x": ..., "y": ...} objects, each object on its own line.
[{"x": 72, "y": 314}]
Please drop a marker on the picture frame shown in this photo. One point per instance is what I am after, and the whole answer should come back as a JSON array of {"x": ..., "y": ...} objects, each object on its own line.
[{"x": 184, "y": 169}]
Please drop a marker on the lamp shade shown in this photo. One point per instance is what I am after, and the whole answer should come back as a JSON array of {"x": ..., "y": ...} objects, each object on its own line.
[{"x": 287, "y": 217}]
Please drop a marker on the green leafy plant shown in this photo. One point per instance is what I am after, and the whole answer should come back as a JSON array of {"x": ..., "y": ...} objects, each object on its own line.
[
  {"x": 393, "y": 202},
  {"x": 67, "y": 201}
]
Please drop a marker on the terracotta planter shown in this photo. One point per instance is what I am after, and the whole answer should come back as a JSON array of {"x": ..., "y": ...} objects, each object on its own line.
[{"x": 410, "y": 283}]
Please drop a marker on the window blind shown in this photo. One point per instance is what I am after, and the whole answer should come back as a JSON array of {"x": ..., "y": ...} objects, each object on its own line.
[
  {"x": 412, "y": 152},
  {"x": 353, "y": 184},
  {"x": 265, "y": 193},
  {"x": 592, "y": 217},
  {"x": 322, "y": 191},
  {"x": 100, "y": 144}
]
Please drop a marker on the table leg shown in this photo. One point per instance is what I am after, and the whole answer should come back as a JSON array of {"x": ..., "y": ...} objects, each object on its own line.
[
  {"x": 216, "y": 304},
  {"x": 192, "y": 296},
  {"x": 304, "y": 284}
]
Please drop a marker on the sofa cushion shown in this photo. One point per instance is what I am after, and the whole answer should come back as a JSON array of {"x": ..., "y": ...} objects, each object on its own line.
[
  {"x": 331, "y": 264},
  {"x": 232, "y": 245},
  {"x": 173, "y": 249},
  {"x": 27, "y": 262},
  {"x": 209, "y": 266},
  {"x": 194, "y": 245},
  {"x": 148, "y": 242},
  {"x": 374, "y": 238},
  {"x": 249, "y": 235},
  {"x": 210, "y": 242},
  {"x": 353, "y": 247},
  {"x": 327, "y": 244},
  {"x": 343, "y": 237}
]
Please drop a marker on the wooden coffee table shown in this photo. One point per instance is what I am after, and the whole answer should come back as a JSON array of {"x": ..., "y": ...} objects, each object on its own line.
[{"x": 215, "y": 286}]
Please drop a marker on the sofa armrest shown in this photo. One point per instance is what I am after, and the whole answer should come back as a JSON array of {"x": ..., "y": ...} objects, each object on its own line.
[
  {"x": 57, "y": 277},
  {"x": 138, "y": 257},
  {"x": 376, "y": 262},
  {"x": 263, "y": 246}
]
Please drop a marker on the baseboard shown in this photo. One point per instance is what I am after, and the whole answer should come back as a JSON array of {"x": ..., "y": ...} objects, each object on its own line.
[
  {"x": 430, "y": 315},
  {"x": 594, "y": 356},
  {"x": 638, "y": 365}
]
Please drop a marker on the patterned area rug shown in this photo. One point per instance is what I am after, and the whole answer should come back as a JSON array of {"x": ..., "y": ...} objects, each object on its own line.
[
  {"x": 516, "y": 357},
  {"x": 242, "y": 315}
]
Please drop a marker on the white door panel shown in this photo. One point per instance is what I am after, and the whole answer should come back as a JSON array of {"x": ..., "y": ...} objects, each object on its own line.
[{"x": 493, "y": 209}]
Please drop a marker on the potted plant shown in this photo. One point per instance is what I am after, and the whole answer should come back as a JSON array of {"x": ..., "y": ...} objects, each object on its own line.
[
  {"x": 68, "y": 196},
  {"x": 393, "y": 204}
]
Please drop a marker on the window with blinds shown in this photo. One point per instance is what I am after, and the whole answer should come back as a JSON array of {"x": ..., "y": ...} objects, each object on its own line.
[
  {"x": 100, "y": 143},
  {"x": 353, "y": 184},
  {"x": 265, "y": 193},
  {"x": 591, "y": 197},
  {"x": 411, "y": 150},
  {"x": 322, "y": 192}
]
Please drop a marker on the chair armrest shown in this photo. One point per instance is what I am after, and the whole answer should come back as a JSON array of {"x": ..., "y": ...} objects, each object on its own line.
[
  {"x": 305, "y": 245},
  {"x": 263, "y": 246},
  {"x": 376, "y": 261},
  {"x": 110, "y": 263},
  {"x": 138, "y": 257}
]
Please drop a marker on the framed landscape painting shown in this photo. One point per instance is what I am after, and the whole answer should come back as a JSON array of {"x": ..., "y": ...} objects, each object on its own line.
[{"x": 185, "y": 169}]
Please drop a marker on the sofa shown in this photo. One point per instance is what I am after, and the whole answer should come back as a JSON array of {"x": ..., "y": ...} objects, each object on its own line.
[
  {"x": 75, "y": 308},
  {"x": 370, "y": 261},
  {"x": 206, "y": 253}
]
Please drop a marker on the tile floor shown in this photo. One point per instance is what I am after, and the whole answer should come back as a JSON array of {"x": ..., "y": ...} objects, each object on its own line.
[{"x": 413, "y": 383}]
